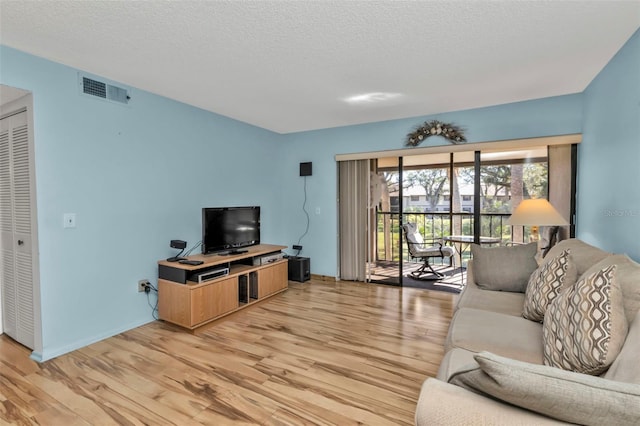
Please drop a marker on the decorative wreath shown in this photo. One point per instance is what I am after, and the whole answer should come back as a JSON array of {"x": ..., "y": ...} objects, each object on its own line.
[{"x": 436, "y": 128}]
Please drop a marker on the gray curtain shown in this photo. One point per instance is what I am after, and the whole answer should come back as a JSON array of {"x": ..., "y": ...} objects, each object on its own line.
[{"x": 353, "y": 176}]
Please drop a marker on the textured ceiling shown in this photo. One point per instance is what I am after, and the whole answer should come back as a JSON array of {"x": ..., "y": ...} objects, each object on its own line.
[{"x": 288, "y": 65}]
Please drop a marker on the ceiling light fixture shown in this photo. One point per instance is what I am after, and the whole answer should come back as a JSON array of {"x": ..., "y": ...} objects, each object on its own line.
[{"x": 373, "y": 97}]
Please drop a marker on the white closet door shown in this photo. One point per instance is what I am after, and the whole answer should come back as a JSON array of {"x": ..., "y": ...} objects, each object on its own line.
[
  {"x": 7, "y": 280},
  {"x": 16, "y": 259}
]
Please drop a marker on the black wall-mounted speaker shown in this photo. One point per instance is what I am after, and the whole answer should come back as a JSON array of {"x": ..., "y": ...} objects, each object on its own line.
[{"x": 305, "y": 169}]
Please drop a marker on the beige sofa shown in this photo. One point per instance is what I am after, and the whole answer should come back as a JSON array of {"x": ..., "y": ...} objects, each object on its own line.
[{"x": 494, "y": 371}]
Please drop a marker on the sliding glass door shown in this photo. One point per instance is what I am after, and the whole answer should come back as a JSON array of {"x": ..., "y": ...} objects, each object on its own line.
[
  {"x": 507, "y": 178},
  {"x": 385, "y": 263},
  {"x": 453, "y": 198},
  {"x": 416, "y": 191}
]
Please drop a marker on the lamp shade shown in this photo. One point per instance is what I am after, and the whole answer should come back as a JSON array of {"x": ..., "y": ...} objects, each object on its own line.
[{"x": 536, "y": 212}]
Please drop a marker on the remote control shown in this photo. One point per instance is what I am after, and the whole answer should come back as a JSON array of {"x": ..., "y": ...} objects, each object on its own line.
[{"x": 191, "y": 262}]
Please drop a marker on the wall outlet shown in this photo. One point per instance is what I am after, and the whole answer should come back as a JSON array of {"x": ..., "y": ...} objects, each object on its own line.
[
  {"x": 69, "y": 220},
  {"x": 142, "y": 285}
]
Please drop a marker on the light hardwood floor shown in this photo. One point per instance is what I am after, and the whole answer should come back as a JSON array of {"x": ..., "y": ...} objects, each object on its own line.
[{"x": 320, "y": 353}]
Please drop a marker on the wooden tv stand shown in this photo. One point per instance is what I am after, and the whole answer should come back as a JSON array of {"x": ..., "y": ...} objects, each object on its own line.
[{"x": 190, "y": 304}]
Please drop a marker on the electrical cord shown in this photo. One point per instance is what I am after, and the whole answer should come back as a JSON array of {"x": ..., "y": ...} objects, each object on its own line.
[
  {"x": 154, "y": 311},
  {"x": 304, "y": 209},
  {"x": 198, "y": 244}
]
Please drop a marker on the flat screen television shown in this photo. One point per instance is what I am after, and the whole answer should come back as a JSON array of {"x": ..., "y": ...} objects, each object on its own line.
[{"x": 227, "y": 230}]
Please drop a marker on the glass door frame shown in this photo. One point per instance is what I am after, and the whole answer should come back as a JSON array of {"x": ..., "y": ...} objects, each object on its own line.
[{"x": 477, "y": 214}]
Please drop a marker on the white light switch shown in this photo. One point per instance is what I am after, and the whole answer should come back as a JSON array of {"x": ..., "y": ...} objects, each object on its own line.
[
  {"x": 69, "y": 220},
  {"x": 317, "y": 210}
]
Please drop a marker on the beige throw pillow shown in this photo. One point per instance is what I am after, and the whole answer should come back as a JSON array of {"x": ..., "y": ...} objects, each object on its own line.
[
  {"x": 585, "y": 326},
  {"x": 504, "y": 268},
  {"x": 564, "y": 395},
  {"x": 546, "y": 283}
]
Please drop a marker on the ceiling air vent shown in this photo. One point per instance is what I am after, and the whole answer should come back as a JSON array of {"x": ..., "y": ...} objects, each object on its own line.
[{"x": 105, "y": 91}]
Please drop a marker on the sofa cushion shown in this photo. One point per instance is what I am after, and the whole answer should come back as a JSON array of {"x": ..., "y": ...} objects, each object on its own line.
[
  {"x": 505, "y": 302},
  {"x": 504, "y": 268},
  {"x": 546, "y": 283},
  {"x": 515, "y": 337},
  {"x": 585, "y": 326},
  {"x": 628, "y": 276},
  {"x": 626, "y": 367},
  {"x": 564, "y": 395},
  {"x": 583, "y": 254}
]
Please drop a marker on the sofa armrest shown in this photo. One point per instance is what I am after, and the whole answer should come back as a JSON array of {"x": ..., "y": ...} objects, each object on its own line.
[
  {"x": 470, "y": 276},
  {"x": 441, "y": 403},
  {"x": 470, "y": 282}
]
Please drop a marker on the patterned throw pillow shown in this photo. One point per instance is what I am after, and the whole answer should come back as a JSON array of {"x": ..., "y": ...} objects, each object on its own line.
[
  {"x": 546, "y": 283},
  {"x": 585, "y": 326}
]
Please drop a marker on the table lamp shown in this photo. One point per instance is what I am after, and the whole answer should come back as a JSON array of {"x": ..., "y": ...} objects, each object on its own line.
[{"x": 535, "y": 213}]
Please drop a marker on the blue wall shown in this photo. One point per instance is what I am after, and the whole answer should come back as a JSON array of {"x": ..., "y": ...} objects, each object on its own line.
[
  {"x": 136, "y": 176},
  {"x": 542, "y": 117},
  {"x": 609, "y": 157}
]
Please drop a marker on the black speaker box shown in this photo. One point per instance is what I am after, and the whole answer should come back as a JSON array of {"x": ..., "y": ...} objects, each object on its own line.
[
  {"x": 299, "y": 269},
  {"x": 305, "y": 169},
  {"x": 178, "y": 244}
]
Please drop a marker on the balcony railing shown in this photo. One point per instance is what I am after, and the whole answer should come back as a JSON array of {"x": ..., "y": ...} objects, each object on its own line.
[{"x": 436, "y": 225}]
